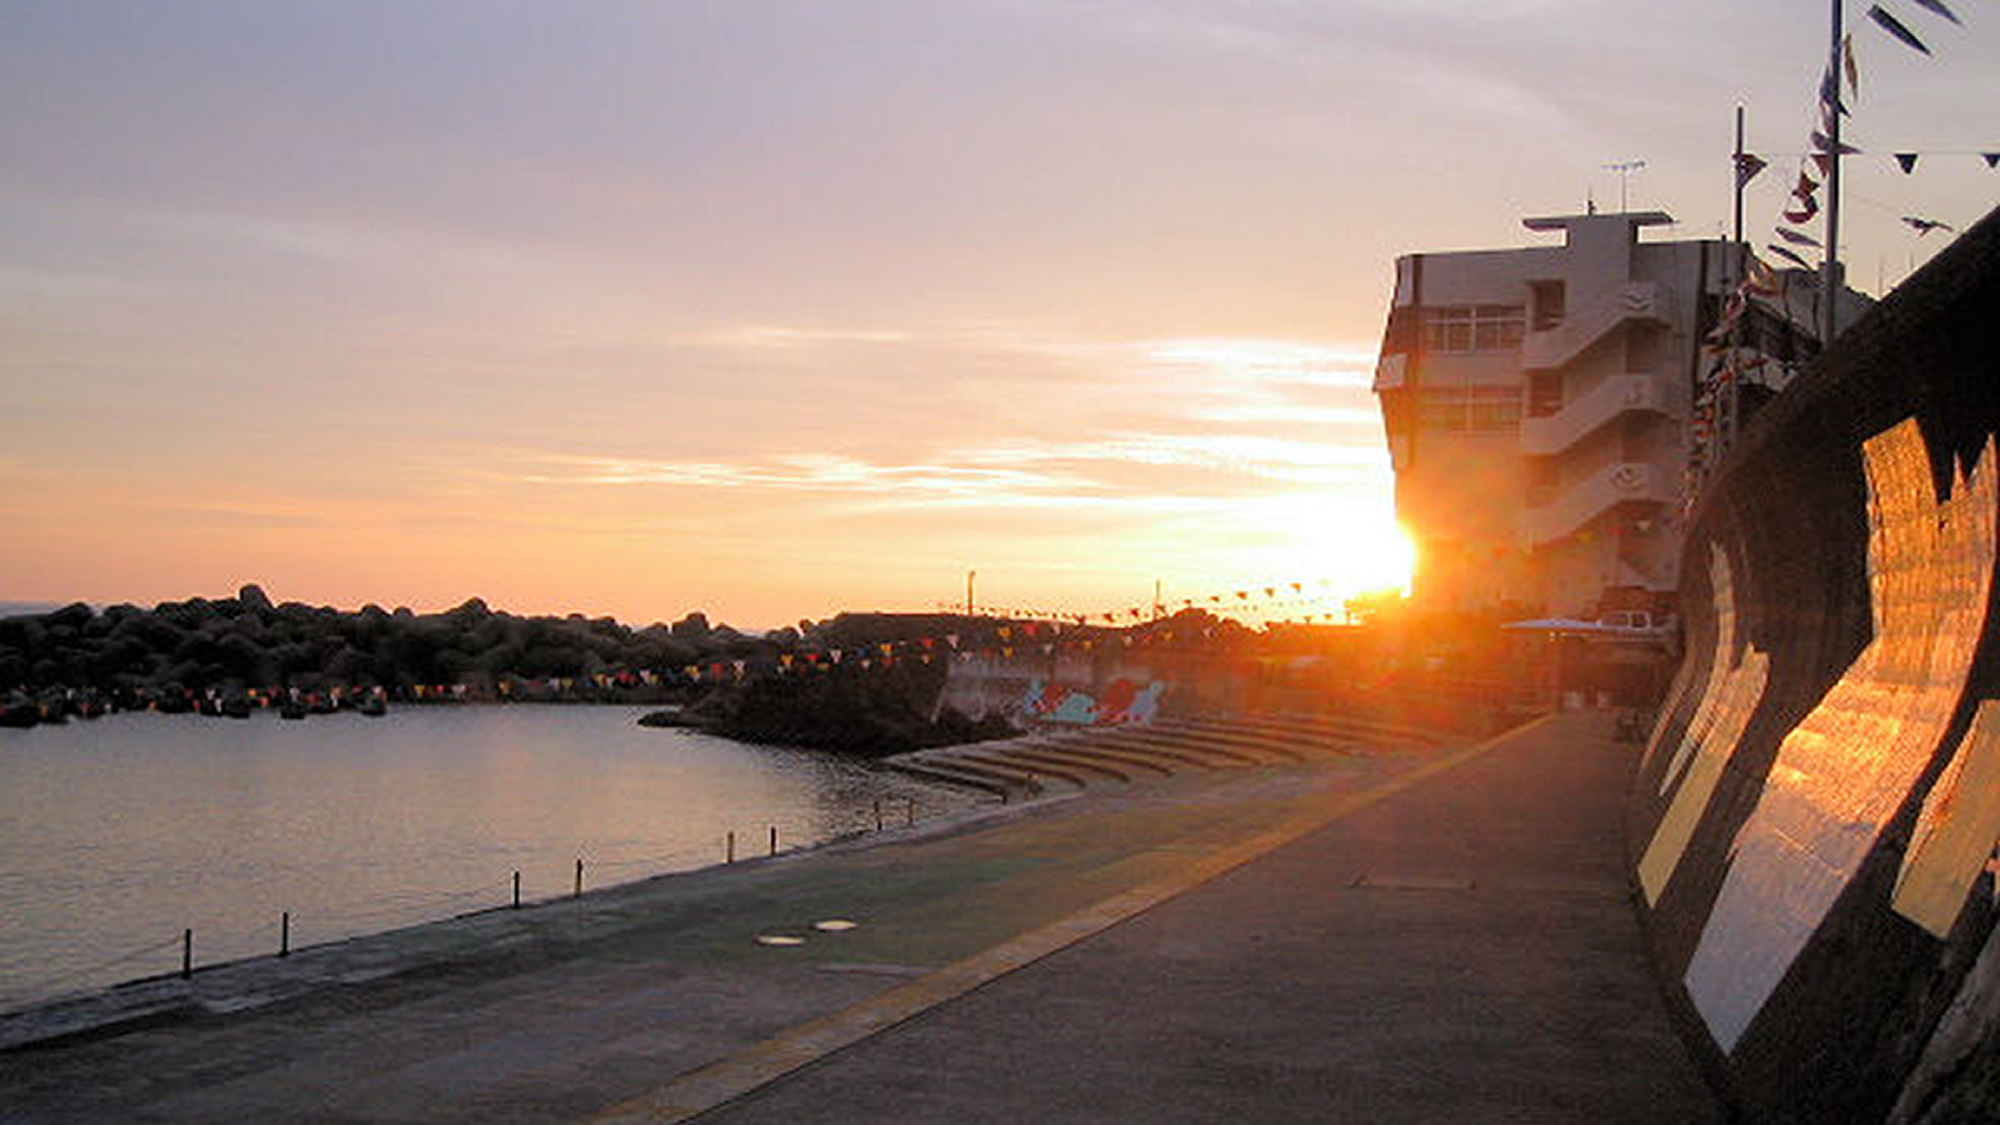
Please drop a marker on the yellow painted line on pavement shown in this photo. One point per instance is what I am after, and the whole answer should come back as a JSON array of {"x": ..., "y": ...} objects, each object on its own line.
[{"x": 702, "y": 1089}]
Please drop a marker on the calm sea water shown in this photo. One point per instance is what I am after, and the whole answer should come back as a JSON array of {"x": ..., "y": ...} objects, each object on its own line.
[{"x": 118, "y": 834}]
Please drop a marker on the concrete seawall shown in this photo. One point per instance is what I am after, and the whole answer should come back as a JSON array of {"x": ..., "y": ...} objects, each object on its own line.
[{"x": 1814, "y": 823}]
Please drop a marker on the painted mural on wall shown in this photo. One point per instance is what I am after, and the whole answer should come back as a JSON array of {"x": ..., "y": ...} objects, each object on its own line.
[
  {"x": 1068, "y": 692},
  {"x": 1846, "y": 768},
  {"x": 1958, "y": 834},
  {"x": 1734, "y": 687},
  {"x": 1816, "y": 824},
  {"x": 1122, "y": 700}
]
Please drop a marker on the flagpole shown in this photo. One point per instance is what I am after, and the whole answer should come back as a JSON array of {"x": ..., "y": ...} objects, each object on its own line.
[
  {"x": 1829, "y": 289},
  {"x": 1736, "y": 176},
  {"x": 1723, "y": 433}
]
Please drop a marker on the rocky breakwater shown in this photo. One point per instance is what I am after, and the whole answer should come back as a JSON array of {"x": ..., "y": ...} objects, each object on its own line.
[{"x": 228, "y": 656}]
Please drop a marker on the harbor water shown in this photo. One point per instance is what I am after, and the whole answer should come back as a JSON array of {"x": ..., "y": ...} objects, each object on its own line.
[{"x": 116, "y": 836}]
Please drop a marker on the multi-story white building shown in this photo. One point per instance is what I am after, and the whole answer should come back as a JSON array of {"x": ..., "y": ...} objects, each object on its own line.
[{"x": 1546, "y": 407}]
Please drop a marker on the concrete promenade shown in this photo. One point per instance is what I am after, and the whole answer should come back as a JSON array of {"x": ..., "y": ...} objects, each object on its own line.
[{"x": 1419, "y": 935}]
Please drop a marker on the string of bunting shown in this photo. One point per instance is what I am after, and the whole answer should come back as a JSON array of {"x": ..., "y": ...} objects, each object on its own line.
[
  {"x": 1728, "y": 361},
  {"x": 1251, "y": 598},
  {"x": 1814, "y": 164},
  {"x": 1009, "y": 633}
]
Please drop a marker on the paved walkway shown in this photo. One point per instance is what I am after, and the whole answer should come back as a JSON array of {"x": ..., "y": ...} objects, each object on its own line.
[{"x": 1409, "y": 936}]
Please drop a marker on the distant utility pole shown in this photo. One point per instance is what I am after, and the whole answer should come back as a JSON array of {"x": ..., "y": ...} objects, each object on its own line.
[{"x": 1624, "y": 168}]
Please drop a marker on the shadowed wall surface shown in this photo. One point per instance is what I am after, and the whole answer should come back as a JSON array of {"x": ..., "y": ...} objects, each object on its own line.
[{"x": 1814, "y": 824}]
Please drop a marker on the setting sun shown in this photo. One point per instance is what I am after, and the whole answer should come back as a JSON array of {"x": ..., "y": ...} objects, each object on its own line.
[{"x": 1359, "y": 552}]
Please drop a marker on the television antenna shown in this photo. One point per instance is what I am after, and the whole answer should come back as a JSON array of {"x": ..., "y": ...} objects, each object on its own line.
[{"x": 1624, "y": 168}]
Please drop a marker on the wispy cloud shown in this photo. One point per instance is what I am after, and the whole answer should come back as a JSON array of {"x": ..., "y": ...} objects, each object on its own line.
[
  {"x": 809, "y": 472},
  {"x": 1267, "y": 361},
  {"x": 1258, "y": 458},
  {"x": 1293, "y": 414},
  {"x": 1162, "y": 426},
  {"x": 1137, "y": 471},
  {"x": 760, "y": 336}
]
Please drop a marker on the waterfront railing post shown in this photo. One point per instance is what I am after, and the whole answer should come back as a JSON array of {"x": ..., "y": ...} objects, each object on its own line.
[
  {"x": 187, "y": 954},
  {"x": 579, "y": 877},
  {"x": 729, "y": 848},
  {"x": 517, "y": 890},
  {"x": 285, "y": 934},
  {"x": 774, "y": 839}
]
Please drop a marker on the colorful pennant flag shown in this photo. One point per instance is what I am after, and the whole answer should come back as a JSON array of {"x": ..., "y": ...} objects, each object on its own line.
[
  {"x": 1829, "y": 96},
  {"x": 1907, "y": 161},
  {"x": 1895, "y": 28},
  {"x": 1788, "y": 255},
  {"x": 1748, "y": 164},
  {"x": 1938, "y": 7},
  {"x": 1758, "y": 278}
]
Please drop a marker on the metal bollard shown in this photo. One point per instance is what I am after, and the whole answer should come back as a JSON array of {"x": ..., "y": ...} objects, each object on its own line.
[
  {"x": 517, "y": 890},
  {"x": 774, "y": 839},
  {"x": 187, "y": 954},
  {"x": 285, "y": 934},
  {"x": 579, "y": 878},
  {"x": 729, "y": 849}
]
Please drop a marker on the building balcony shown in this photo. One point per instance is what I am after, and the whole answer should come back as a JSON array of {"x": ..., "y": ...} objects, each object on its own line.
[
  {"x": 1609, "y": 400},
  {"x": 1642, "y": 301},
  {"x": 1621, "y": 482},
  {"x": 1390, "y": 372}
]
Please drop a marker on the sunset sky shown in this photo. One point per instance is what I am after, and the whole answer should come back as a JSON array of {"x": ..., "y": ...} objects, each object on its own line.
[{"x": 776, "y": 309}]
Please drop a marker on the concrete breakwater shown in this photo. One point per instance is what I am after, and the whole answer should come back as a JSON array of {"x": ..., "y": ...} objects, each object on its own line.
[{"x": 1814, "y": 824}]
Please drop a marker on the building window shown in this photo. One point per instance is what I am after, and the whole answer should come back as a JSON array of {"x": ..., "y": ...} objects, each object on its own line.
[
  {"x": 1544, "y": 480},
  {"x": 1642, "y": 349},
  {"x": 1473, "y": 328},
  {"x": 1478, "y": 410},
  {"x": 1549, "y": 301},
  {"x": 1545, "y": 393}
]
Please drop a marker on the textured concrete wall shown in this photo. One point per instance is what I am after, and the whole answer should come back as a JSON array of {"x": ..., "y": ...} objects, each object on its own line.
[{"x": 1815, "y": 823}]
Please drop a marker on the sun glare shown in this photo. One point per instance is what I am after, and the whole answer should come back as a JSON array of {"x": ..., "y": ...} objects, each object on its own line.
[
  {"x": 1343, "y": 548},
  {"x": 1368, "y": 556}
]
